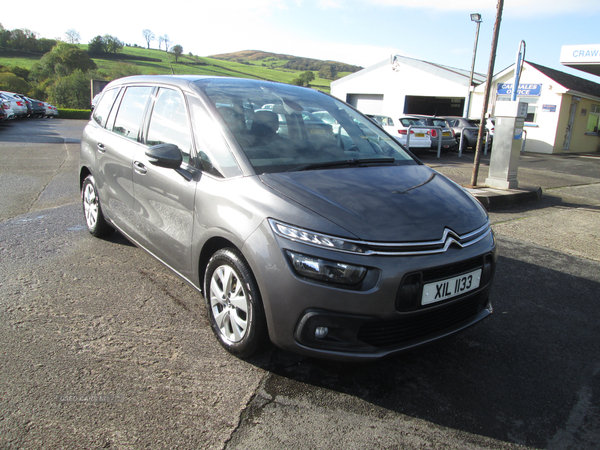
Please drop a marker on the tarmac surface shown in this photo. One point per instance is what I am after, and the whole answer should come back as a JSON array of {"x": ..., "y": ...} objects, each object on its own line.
[
  {"x": 536, "y": 173},
  {"x": 103, "y": 347}
]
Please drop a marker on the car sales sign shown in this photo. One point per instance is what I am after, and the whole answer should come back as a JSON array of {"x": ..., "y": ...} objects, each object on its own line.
[{"x": 524, "y": 89}]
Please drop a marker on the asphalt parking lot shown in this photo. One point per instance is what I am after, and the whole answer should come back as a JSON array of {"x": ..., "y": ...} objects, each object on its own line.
[{"x": 105, "y": 348}]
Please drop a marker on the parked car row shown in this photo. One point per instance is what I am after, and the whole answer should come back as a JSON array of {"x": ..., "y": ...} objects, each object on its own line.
[
  {"x": 16, "y": 106},
  {"x": 425, "y": 130}
]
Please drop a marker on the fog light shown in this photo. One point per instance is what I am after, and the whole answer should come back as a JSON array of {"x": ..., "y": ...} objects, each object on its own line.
[{"x": 321, "y": 332}]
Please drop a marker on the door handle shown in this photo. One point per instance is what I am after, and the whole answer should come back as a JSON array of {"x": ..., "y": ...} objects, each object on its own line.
[
  {"x": 140, "y": 168},
  {"x": 101, "y": 147}
]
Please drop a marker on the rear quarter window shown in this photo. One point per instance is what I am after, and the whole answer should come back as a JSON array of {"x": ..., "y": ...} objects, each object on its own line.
[{"x": 102, "y": 109}]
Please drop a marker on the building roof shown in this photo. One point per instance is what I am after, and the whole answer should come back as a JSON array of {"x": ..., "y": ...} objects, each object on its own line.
[
  {"x": 446, "y": 71},
  {"x": 570, "y": 82}
]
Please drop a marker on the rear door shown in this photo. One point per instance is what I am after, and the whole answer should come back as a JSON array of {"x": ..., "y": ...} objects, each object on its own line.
[{"x": 116, "y": 146}]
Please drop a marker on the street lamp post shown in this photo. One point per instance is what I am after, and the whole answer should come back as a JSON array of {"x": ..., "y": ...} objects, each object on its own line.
[{"x": 475, "y": 17}]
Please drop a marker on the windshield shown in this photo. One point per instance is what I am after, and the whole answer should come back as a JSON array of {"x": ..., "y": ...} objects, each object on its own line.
[{"x": 282, "y": 127}]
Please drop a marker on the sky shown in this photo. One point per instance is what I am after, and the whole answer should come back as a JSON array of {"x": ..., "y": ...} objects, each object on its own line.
[{"x": 359, "y": 32}]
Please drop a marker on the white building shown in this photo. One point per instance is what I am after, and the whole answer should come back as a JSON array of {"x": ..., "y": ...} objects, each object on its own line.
[
  {"x": 406, "y": 85},
  {"x": 563, "y": 113}
]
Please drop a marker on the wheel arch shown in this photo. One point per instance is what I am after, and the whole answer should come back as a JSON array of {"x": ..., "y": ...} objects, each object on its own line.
[
  {"x": 83, "y": 174},
  {"x": 211, "y": 246}
]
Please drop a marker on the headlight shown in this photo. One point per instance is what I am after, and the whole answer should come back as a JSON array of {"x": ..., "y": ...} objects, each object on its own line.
[
  {"x": 325, "y": 270},
  {"x": 312, "y": 238}
]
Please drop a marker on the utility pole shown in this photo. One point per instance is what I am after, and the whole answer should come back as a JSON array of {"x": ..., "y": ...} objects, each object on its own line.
[
  {"x": 475, "y": 17},
  {"x": 488, "y": 87}
]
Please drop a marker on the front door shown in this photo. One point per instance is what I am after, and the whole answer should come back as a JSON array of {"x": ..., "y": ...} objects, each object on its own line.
[
  {"x": 567, "y": 142},
  {"x": 164, "y": 200}
]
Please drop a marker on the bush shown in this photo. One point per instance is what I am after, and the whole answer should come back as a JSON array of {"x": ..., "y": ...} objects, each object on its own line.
[{"x": 81, "y": 114}]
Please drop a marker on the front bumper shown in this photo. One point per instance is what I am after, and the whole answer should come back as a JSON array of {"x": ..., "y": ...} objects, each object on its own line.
[{"x": 380, "y": 317}]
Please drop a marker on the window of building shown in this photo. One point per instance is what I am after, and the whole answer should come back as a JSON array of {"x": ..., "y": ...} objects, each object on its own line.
[
  {"x": 593, "y": 123},
  {"x": 532, "y": 106}
]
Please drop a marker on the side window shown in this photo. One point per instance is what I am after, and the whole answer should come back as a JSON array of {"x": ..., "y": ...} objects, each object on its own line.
[
  {"x": 213, "y": 151},
  {"x": 131, "y": 111},
  {"x": 103, "y": 108},
  {"x": 169, "y": 122}
]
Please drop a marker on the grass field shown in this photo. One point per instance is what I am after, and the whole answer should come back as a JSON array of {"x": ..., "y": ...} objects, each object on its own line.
[{"x": 268, "y": 68}]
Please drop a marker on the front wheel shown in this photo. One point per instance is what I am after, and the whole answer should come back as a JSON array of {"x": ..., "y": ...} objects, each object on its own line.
[
  {"x": 234, "y": 304},
  {"x": 94, "y": 218}
]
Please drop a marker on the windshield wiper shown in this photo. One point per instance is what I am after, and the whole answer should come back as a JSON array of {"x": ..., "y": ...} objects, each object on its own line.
[{"x": 346, "y": 162}]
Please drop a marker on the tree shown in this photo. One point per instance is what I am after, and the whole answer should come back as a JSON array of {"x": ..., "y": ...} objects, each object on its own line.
[
  {"x": 177, "y": 51},
  {"x": 72, "y": 91},
  {"x": 113, "y": 44},
  {"x": 148, "y": 36},
  {"x": 72, "y": 36},
  {"x": 20, "y": 72},
  {"x": 308, "y": 76},
  {"x": 166, "y": 40},
  {"x": 62, "y": 60},
  {"x": 304, "y": 79},
  {"x": 97, "y": 45},
  {"x": 12, "y": 83},
  {"x": 25, "y": 40},
  {"x": 330, "y": 71}
]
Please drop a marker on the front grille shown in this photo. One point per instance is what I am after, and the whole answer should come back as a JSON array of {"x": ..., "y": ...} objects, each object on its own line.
[
  {"x": 421, "y": 324},
  {"x": 451, "y": 270}
]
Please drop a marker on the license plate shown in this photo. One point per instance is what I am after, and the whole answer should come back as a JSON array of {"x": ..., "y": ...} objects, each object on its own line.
[
  {"x": 445, "y": 133},
  {"x": 419, "y": 134},
  {"x": 451, "y": 287}
]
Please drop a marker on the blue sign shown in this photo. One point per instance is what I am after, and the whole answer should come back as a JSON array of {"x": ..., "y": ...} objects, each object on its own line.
[
  {"x": 524, "y": 89},
  {"x": 549, "y": 108}
]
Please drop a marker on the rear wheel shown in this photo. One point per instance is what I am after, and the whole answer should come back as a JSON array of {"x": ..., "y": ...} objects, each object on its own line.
[
  {"x": 94, "y": 218},
  {"x": 234, "y": 304}
]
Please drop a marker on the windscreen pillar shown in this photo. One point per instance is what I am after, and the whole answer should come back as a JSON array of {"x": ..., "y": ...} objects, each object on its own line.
[{"x": 508, "y": 140}]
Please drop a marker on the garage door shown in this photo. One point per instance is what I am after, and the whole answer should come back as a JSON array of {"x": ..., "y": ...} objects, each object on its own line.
[{"x": 366, "y": 103}]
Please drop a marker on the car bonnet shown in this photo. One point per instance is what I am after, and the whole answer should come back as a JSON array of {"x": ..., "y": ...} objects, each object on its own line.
[{"x": 385, "y": 204}]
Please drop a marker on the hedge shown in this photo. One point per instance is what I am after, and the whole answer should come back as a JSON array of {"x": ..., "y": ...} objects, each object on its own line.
[{"x": 74, "y": 114}]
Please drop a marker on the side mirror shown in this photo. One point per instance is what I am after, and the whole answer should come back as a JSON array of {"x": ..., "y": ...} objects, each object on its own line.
[{"x": 165, "y": 155}]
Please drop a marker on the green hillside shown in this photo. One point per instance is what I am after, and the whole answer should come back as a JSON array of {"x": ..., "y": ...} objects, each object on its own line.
[{"x": 247, "y": 64}]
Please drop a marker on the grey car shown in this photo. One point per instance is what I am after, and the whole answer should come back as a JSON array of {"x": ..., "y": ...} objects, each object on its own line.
[
  {"x": 470, "y": 127},
  {"x": 330, "y": 242},
  {"x": 447, "y": 134}
]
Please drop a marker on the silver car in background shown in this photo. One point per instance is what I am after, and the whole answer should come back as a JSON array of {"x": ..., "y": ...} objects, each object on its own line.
[
  {"x": 17, "y": 105},
  {"x": 328, "y": 241}
]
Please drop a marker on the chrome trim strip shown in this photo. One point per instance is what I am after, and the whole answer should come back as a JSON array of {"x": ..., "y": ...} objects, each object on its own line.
[{"x": 449, "y": 237}]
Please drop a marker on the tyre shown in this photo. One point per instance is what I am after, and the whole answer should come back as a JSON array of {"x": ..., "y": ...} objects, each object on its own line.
[
  {"x": 233, "y": 303},
  {"x": 94, "y": 218}
]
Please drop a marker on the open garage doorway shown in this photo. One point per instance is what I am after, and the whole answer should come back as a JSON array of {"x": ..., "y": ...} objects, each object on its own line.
[{"x": 434, "y": 106}]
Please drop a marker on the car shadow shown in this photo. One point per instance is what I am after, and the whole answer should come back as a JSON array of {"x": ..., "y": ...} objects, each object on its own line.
[{"x": 514, "y": 377}]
